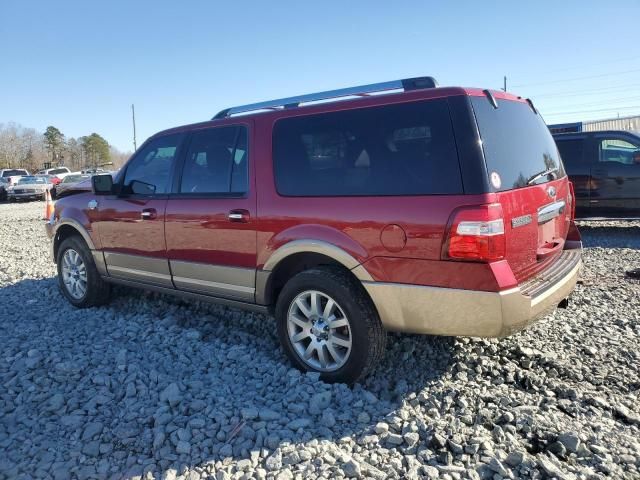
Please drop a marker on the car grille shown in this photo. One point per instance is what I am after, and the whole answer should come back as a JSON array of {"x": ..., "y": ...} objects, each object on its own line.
[{"x": 24, "y": 190}]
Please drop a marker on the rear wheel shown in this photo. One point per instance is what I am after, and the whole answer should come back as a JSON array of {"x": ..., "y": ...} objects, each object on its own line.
[
  {"x": 327, "y": 324},
  {"x": 78, "y": 277}
]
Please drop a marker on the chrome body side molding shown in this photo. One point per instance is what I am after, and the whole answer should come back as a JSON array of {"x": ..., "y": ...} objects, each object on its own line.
[
  {"x": 140, "y": 268},
  {"x": 223, "y": 281}
]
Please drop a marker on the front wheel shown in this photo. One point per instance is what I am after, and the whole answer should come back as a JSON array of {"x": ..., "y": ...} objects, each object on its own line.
[
  {"x": 327, "y": 324},
  {"x": 78, "y": 277}
]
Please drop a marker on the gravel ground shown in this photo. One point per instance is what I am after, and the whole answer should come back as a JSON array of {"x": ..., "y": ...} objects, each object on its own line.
[{"x": 153, "y": 387}]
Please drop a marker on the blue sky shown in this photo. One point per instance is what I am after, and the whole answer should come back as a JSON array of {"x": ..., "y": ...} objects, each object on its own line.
[{"x": 79, "y": 65}]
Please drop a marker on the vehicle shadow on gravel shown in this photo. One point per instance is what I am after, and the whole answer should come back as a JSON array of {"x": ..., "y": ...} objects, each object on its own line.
[{"x": 153, "y": 384}]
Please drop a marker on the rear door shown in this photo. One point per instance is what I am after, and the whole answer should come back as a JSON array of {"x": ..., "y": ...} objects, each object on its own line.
[
  {"x": 574, "y": 151},
  {"x": 527, "y": 174},
  {"x": 615, "y": 176},
  {"x": 211, "y": 216}
]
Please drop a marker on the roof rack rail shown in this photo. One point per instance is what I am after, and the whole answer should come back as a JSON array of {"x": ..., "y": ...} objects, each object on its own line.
[{"x": 406, "y": 84}]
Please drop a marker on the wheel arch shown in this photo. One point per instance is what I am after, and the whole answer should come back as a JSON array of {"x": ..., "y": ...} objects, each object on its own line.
[
  {"x": 297, "y": 256},
  {"x": 66, "y": 229}
]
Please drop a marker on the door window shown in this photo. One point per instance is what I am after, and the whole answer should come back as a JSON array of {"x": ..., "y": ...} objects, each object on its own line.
[
  {"x": 149, "y": 172},
  {"x": 216, "y": 162},
  {"x": 571, "y": 152},
  {"x": 620, "y": 151}
]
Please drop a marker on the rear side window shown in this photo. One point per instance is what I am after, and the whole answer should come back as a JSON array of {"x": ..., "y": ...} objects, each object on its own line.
[
  {"x": 406, "y": 149},
  {"x": 571, "y": 151},
  {"x": 517, "y": 144},
  {"x": 216, "y": 162}
]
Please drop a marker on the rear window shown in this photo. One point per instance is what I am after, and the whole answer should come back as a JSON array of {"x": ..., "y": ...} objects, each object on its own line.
[
  {"x": 58, "y": 170},
  {"x": 517, "y": 144},
  {"x": 406, "y": 149},
  {"x": 9, "y": 173}
]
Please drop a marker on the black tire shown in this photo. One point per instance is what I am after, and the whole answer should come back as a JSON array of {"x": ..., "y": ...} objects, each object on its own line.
[
  {"x": 368, "y": 336},
  {"x": 98, "y": 292}
]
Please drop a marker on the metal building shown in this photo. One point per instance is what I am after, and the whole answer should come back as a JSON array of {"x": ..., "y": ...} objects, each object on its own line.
[{"x": 631, "y": 123}]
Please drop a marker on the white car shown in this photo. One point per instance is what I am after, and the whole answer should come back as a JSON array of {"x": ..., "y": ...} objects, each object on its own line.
[
  {"x": 59, "y": 172},
  {"x": 13, "y": 174},
  {"x": 29, "y": 188}
]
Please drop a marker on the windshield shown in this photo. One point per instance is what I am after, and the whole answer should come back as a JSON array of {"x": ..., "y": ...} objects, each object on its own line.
[
  {"x": 25, "y": 180},
  {"x": 518, "y": 147}
]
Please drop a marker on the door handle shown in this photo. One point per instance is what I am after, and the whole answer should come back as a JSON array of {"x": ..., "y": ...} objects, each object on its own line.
[
  {"x": 240, "y": 215},
  {"x": 148, "y": 214}
]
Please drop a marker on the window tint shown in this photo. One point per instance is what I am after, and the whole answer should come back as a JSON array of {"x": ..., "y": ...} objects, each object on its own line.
[
  {"x": 58, "y": 170},
  {"x": 571, "y": 151},
  {"x": 150, "y": 170},
  {"x": 9, "y": 173},
  {"x": 404, "y": 149},
  {"x": 216, "y": 162},
  {"x": 620, "y": 151},
  {"x": 516, "y": 142}
]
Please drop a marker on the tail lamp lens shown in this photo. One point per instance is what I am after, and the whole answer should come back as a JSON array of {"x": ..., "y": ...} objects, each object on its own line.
[{"x": 477, "y": 234}]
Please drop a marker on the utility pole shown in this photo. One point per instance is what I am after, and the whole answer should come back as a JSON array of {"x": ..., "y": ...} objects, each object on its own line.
[
  {"x": 133, "y": 115},
  {"x": 505, "y": 83}
]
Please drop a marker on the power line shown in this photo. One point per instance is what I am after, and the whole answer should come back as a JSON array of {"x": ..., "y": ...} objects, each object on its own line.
[
  {"x": 578, "y": 78},
  {"x": 602, "y": 102},
  {"x": 615, "y": 109},
  {"x": 609, "y": 62},
  {"x": 591, "y": 91}
]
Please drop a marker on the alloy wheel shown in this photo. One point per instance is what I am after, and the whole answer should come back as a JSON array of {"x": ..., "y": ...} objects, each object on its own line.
[
  {"x": 74, "y": 274},
  {"x": 319, "y": 331}
]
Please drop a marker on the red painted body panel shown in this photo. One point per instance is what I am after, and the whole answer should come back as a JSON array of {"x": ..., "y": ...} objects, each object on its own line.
[
  {"x": 523, "y": 242},
  {"x": 122, "y": 229},
  {"x": 199, "y": 230}
]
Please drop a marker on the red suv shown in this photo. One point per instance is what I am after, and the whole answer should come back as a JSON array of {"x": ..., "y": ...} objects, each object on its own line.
[{"x": 398, "y": 206}]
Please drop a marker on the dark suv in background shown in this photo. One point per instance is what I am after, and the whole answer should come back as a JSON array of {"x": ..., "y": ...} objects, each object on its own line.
[{"x": 605, "y": 170}]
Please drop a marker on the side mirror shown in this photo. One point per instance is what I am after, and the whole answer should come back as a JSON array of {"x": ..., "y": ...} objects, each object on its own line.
[
  {"x": 142, "y": 188},
  {"x": 102, "y": 184}
]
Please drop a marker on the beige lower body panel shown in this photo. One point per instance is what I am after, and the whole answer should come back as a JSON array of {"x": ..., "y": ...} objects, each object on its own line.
[
  {"x": 448, "y": 311},
  {"x": 222, "y": 281},
  {"x": 139, "y": 268}
]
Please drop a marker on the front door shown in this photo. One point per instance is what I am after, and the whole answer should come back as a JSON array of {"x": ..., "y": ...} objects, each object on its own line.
[
  {"x": 615, "y": 177},
  {"x": 210, "y": 223},
  {"x": 131, "y": 224}
]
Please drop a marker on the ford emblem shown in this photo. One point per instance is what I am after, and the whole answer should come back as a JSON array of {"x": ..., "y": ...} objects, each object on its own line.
[{"x": 551, "y": 191}]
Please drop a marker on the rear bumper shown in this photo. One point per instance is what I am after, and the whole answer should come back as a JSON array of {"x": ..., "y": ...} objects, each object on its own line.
[{"x": 448, "y": 311}]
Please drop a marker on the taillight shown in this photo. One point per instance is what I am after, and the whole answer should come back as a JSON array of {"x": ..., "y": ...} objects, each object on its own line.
[
  {"x": 572, "y": 200},
  {"x": 476, "y": 234}
]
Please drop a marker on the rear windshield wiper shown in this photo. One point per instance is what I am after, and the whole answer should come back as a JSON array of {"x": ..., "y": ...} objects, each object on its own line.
[{"x": 544, "y": 173}]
